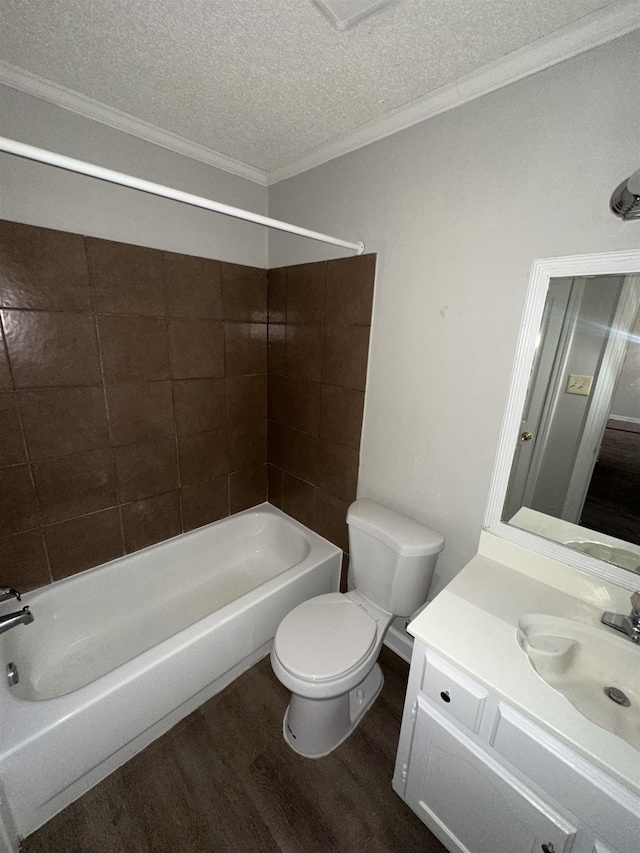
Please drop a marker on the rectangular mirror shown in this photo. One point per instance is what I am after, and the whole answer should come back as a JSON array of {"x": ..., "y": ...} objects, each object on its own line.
[{"x": 567, "y": 477}]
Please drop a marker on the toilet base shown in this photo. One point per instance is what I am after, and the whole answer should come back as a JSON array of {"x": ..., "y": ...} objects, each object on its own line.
[{"x": 315, "y": 727}]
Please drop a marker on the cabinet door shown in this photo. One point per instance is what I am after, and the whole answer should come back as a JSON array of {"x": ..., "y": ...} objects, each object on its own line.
[{"x": 470, "y": 801}]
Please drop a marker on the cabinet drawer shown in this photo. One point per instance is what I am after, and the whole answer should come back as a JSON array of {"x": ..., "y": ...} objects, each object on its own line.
[
  {"x": 453, "y": 692},
  {"x": 610, "y": 809}
]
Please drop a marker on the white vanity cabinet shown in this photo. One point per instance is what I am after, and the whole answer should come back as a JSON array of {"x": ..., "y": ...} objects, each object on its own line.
[{"x": 486, "y": 779}]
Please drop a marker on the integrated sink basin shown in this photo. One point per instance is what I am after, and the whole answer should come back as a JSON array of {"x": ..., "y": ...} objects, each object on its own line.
[{"x": 597, "y": 671}]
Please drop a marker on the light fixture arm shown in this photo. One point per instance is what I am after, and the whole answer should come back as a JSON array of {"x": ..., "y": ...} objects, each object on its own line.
[{"x": 625, "y": 201}]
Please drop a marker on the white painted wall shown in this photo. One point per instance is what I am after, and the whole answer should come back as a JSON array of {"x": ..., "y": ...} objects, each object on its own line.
[
  {"x": 458, "y": 208},
  {"x": 41, "y": 195}
]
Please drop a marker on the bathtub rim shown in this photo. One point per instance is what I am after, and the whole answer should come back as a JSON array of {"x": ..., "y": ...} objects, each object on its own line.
[{"x": 265, "y": 507}]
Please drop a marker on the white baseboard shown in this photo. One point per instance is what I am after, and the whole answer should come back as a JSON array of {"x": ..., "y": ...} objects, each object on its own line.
[{"x": 398, "y": 640}]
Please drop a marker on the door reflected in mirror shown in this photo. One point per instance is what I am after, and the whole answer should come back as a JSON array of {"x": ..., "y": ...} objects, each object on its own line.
[{"x": 575, "y": 476}]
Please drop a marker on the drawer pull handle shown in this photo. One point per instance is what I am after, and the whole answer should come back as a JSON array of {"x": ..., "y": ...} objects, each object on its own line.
[
  {"x": 444, "y": 695},
  {"x": 548, "y": 848}
]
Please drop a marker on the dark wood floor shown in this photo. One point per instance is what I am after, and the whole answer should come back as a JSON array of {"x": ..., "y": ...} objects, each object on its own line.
[
  {"x": 224, "y": 780},
  {"x": 613, "y": 500}
]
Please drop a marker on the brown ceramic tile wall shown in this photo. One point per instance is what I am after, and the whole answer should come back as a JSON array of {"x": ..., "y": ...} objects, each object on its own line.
[
  {"x": 319, "y": 323},
  {"x": 133, "y": 399}
]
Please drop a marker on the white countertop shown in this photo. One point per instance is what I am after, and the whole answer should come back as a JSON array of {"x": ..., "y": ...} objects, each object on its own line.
[{"x": 473, "y": 624}]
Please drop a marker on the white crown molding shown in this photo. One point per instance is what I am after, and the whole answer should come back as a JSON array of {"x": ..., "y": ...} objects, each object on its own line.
[
  {"x": 53, "y": 93},
  {"x": 589, "y": 32}
]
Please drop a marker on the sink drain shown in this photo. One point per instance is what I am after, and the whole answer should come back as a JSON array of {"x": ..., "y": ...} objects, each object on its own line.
[{"x": 617, "y": 696}]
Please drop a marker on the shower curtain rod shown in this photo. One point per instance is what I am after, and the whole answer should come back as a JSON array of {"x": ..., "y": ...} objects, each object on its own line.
[{"x": 29, "y": 152}]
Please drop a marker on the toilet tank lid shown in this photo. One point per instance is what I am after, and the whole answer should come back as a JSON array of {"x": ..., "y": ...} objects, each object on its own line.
[{"x": 404, "y": 535}]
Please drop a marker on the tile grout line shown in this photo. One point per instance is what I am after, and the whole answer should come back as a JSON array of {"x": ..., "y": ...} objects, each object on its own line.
[
  {"x": 172, "y": 380},
  {"x": 96, "y": 324},
  {"x": 226, "y": 388}
]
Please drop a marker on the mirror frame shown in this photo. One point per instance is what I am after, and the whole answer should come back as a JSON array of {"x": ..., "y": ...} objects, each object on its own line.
[{"x": 542, "y": 271}]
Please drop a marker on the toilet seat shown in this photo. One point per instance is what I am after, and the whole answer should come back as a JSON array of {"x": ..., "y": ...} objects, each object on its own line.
[{"x": 324, "y": 637}]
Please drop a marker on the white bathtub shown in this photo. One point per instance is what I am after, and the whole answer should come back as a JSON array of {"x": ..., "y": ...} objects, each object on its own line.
[{"x": 118, "y": 654}]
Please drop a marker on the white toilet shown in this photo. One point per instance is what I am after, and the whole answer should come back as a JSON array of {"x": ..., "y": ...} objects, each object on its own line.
[{"x": 325, "y": 650}]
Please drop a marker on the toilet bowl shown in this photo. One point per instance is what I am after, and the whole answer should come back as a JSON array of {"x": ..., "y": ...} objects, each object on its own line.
[
  {"x": 325, "y": 650},
  {"x": 325, "y": 653}
]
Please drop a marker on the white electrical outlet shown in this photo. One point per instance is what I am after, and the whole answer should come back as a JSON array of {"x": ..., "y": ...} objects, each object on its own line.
[{"x": 579, "y": 384}]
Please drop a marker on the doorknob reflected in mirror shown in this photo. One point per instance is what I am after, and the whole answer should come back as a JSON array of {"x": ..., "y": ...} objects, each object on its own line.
[{"x": 526, "y": 436}]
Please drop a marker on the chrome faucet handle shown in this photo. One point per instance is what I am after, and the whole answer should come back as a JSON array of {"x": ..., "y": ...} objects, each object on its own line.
[
  {"x": 629, "y": 625},
  {"x": 7, "y": 592}
]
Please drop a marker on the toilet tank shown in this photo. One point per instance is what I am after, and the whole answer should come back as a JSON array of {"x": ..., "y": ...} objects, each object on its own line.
[{"x": 391, "y": 557}]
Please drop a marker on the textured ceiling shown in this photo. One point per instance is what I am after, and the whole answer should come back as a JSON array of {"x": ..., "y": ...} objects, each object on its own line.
[{"x": 265, "y": 81}]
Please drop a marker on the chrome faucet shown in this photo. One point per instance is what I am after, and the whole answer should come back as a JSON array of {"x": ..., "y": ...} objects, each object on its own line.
[
  {"x": 20, "y": 617},
  {"x": 7, "y": 592},
  {"x": 629, "y": 625}
]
